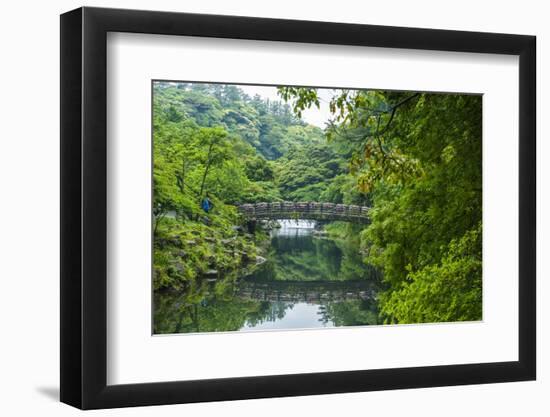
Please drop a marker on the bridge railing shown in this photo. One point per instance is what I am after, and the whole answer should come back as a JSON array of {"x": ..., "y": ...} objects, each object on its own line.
[{"x": 304, "y": 210}]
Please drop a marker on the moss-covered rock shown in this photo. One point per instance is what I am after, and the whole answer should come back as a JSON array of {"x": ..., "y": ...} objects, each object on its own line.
[{"x": 187, "y": 250}]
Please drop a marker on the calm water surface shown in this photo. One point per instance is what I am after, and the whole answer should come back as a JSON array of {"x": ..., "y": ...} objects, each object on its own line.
[{"x": 307, "y": 281}]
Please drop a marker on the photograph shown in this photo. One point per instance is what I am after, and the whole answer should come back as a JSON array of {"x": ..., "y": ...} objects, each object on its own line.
[
  {"x": 273, "y": 206},
  {"x": 281, "y": 207}
]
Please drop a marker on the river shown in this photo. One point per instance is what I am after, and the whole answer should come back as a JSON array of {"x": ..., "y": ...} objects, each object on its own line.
[{"x": 307, "y": 281}]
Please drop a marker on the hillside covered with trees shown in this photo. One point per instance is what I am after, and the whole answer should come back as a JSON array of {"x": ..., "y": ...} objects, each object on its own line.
[
  {"x": 418, "y": 157},
  {"x": 415, "y": 158},
  {"x": 214, "y": 139}
]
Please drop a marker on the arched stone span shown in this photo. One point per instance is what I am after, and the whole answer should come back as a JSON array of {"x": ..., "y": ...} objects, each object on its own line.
[
  {"x": 304, "y": 210},
  {"x": 308, "y": 291}
]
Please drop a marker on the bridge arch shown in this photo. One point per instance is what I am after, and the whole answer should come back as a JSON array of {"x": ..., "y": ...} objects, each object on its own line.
[
  {"x": 309, "y": 210},
  {"x": 308, "y": 291}
]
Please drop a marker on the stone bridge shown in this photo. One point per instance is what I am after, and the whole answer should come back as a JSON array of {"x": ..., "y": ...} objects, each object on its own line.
[
  {"x": 308, "y": 291},
  {"x": 304, "y": 210}
]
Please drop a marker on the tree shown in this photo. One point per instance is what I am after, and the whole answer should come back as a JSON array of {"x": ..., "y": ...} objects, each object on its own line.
[
  {"x": 213, "y": 140},
  {"x": 418, "y": 157}
]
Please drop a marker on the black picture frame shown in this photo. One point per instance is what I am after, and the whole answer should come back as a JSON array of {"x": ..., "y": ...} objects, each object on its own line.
[{"x": 84, "y": 207}]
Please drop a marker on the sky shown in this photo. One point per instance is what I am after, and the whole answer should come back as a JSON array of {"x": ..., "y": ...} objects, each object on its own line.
[{"x": 313, "y": 115}]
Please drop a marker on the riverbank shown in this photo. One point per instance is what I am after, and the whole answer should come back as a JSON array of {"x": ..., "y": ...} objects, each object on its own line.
[
  {"x": 303, "y": 282},
  {"x": 185, "y": 251},
  {"x": 344, "y": 231}
]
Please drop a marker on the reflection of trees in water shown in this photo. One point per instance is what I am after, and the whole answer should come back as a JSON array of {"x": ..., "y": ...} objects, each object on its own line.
[
  {"x": 351, "y": 313},
  {"x": 175, "y": 314},
  {"x": 299, "y": 269},
  {"x": 269, "y": 312},
  {"x": 211, "y": 307},
  {"x": 211, "y": 314},
  {"x": 306, "y": 291},
  {"x": 180, "y": 313},
  {"x": 306, "y": 258}
]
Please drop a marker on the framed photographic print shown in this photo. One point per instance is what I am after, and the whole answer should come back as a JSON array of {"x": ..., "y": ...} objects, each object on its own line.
[{"x": 257, "y": 208}]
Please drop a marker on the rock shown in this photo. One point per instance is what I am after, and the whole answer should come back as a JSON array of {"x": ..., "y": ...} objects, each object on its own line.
[
  {"x": 190, "y": 242},
  {"x": 211, "y": 272},
  {"x": 210, "y": 239},
  {"x": 179, "y": 267},
  {"x": 181, "y": 254},
  {"x": 161, "y": 242},
  {"x": 173, "y": 241},
  {"x": 260, "y": 260},
  {"x": 227, "y": 241}
]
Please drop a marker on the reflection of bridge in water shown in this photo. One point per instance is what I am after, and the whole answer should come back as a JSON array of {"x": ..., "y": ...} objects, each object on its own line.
[
  {"x": 308, "y": 291},
  {"x": 304, "y": 210}
]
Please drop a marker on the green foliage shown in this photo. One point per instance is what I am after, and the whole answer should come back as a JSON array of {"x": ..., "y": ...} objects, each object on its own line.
[
  {"x": 206, "y": 307},
  {"x": 303, "y": 98},
  {"x": 213, "y": 140},
  {"x": 352, "y": 313},
  {"x": 270, "y": 127},
  {"x": 185, "y": 251},
  {"x": 414, "y": 157},
  {"x": 417, "y": 157},
  {"x": 448, "y": 291},
  {"x": 312, "y": 172},
  {"x": 258, "y": 169}
]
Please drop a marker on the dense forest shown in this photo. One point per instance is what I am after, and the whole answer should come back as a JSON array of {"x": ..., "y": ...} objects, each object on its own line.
[{"x": 414, "y": 158}]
